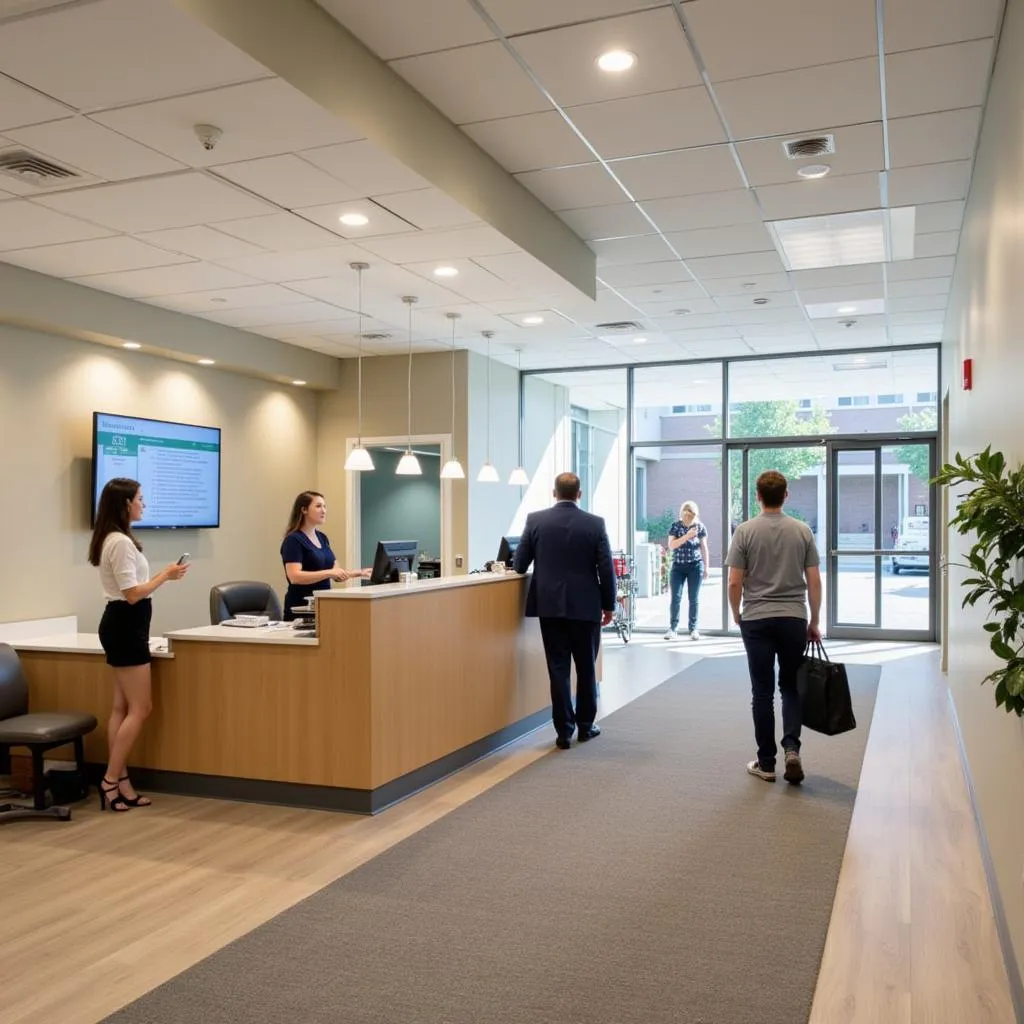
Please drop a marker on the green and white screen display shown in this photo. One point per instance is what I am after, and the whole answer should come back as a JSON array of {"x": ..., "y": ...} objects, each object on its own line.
[{"x": 178, "y": 466}]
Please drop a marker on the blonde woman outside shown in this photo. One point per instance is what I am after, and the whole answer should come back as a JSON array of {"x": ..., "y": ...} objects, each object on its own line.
[{"x": 688, "y": 542}]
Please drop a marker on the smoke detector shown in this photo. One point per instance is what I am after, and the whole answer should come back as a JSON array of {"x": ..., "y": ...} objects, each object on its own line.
[
  {"x": 208, "y": 135},
  {"x": 812, "y": 146}
]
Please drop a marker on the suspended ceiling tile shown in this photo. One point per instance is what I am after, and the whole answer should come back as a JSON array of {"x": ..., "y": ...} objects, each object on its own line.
[
  {"x": 24, "y": 224},
  {"x": 638, "y": 249},
  {"x": 939, "y": 216},
  {"x": 707, "y": 210},
  {"x": 689, "y": 172},
  {"x": 94, "y": 149},
  {"x": 201, "y": 243},
  {"x": 288, "y": 181},
  {"x": 934, "y": 138},
  {"x": 846, "y": 294},
  {"x": 933, "y": 183},
  {"x": 95, "y": 256},
  {"x": 911, "y": 24},
  {"x": 427, "y": 209},
  {"x": 20, "y": 105},
  {"x": 565, "y": 59},
  {"x": 839, "y": 277},
  {"x": 379, "y": 221},
  {"x": 821, "y": 197},
  {"x": 741, "y": 303},
  {"x": 858, "y": 148},
  {"x": 940, "y": 78},
  {"x": 477, "y": 240},
  {"x": 149, "y": 204},
  {"x": 917, "y": 304},
  {"x": 298, "y": 265},
  {"x": 761, "y": 284},
  {"x": 940, "y": 243},
  {"x": 736, "y": 266},
  {"x": 739, "y": 39},
  {"x": 174, "y": 280},
  {"x": 740, "y": 238},
  {"x": 258, "y": 119},
  {"x": 572, "y": 188},
  {"x": 680, "y": 291},
  {"x": 500, "y": 87},
  {"x": 798, "y": 102},
  {"x": 115, "y": 52},
  {"x": 910, "y": 270},
  {"x": 280, "y": 232},
  {"x": 616, "y": 221},
  {"x": 678, "y": 119},
  {"x": 519, "y": 16},
  {"x": 659, "y": 272},
  {"x": 926, "y": 286},
  {"x": 472, "y": 281},
  {"x": 250, "y": 297},
  {"x": 530, "y": 142},
  {"x": 295, "y": 313},
  {"x": 369, "y": 170}
]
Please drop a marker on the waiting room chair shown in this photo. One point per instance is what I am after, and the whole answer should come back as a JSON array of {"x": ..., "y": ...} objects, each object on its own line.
[
  {"x": 243, "y": 597},
  {"x": 39, "y": 733}
]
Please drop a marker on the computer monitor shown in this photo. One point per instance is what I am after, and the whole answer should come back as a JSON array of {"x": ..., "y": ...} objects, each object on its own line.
[
  {"x": 507, "y": 550},
  {"x": 393, "y": 557}
]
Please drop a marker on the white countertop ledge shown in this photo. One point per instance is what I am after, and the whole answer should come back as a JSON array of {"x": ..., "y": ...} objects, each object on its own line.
[
  {"x": 350, "y": 593},
  {"x": 245, "y": 635},
  {"x": 73, "y": 643}
]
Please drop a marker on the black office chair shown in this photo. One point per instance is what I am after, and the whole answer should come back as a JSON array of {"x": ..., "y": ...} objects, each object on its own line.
[
  {"x": 39, "y": 733},
  {"x": 243, "y": 597}
]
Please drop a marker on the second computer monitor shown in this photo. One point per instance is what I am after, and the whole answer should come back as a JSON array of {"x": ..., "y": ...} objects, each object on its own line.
[
  {"x": 507, "y": 550},
  {"x": 393, "y": 557}
]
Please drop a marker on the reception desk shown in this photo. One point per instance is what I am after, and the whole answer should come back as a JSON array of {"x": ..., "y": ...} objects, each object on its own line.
[{"x": 402, "y": 685}]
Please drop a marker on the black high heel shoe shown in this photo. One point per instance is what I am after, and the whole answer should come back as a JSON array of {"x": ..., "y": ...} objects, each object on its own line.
[
  {"x": 111, "y": 796},
  {"x": 136, "y": 801}
]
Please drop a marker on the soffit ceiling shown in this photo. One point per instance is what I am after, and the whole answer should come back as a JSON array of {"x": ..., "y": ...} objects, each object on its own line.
[{"x": 668, "y": 172}]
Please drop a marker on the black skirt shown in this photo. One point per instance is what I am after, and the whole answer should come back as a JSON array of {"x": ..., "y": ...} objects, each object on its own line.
[{"x": 124, "y": 633}]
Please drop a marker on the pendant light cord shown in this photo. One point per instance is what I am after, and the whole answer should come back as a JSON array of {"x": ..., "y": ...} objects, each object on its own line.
[
  {"x": 409, "y": 385},
  {"x": 488, "y": 400},
  {"x": 453, "y": 385},
  {"x": 359, "y": 401}
]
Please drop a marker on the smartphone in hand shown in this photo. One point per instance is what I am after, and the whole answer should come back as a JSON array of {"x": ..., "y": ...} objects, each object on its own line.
[{"x": 185, "y": 559}]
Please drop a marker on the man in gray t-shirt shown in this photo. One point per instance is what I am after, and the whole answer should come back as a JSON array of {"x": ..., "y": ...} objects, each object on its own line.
[{"x": 773, "y": 571}]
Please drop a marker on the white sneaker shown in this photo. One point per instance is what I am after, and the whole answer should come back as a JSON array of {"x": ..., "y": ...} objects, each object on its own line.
[
  {"x": 670, "y": 635},
  {"x": 753, "y": 768},
  {"x": 694, "y": 634}
]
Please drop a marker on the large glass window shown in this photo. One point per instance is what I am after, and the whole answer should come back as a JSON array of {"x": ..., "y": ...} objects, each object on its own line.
[{"x": 677, "y": 403}]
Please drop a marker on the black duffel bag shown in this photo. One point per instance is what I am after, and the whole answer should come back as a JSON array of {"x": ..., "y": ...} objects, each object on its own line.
[{"x": 824, "y": 693}]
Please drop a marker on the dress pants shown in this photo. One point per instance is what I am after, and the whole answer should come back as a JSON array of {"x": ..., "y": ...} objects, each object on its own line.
[{"x": 567, "y": 641}]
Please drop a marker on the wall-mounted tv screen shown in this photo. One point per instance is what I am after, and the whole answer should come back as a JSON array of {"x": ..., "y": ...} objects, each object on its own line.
[{"x": 177, "y": 464}]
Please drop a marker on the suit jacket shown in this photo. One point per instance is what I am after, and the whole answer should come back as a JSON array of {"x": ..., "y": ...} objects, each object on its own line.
[{"x": 573, "y": 577}]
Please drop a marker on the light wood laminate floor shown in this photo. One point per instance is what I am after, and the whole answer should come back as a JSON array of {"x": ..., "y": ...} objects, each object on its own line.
[{"x": 99, "y": 911}]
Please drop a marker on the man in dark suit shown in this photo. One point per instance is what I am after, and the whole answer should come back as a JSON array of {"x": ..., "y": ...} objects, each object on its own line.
[{"x": 573, "y": 594}]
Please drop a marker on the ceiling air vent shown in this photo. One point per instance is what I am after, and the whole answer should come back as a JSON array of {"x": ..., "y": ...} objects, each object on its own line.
[
  {"x": 33, "y": 169},
  {"x": 619, "y": 327},
  {"x": 816, "y": 145},
  {"x": 377, "y": 336}
]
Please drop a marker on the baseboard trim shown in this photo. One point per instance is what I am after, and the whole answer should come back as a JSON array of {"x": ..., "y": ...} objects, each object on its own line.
[
  {"x": 1002, "y": 927},
  {"x": 329, "y": 798}
]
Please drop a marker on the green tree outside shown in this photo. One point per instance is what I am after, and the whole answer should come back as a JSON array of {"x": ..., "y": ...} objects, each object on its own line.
[{"x": 916, "y": 455}]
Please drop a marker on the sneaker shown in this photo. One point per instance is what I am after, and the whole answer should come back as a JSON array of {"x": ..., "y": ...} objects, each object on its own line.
[
  {"x": 694, "y": 634},
  {"x": 794, "y": 773},
  {"x": 754, "y": 768},
  {"x": 670, "y": 635}
]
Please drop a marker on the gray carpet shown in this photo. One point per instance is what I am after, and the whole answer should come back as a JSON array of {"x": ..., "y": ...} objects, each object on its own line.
[{"x": 643, "y": 877}]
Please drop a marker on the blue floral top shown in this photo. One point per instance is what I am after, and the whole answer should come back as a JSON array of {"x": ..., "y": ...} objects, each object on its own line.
[{"x": 688, "y": 552}]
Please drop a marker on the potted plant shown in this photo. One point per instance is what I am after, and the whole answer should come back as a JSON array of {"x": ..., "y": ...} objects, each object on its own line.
[{"x": 993, "y": 510}]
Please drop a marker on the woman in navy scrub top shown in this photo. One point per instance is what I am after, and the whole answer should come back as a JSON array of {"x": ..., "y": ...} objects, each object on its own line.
[{"x": 309, "y": 562}]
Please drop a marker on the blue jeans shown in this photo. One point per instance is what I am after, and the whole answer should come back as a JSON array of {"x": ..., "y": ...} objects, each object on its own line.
[
  {"x": 765, "y": 640},
  {"x": 692, "y": 574}
]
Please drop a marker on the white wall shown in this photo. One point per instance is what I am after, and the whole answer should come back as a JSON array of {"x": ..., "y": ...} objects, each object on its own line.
[
  {"x": 985, "y": 323},
  {"x": 49, "y": 388}
]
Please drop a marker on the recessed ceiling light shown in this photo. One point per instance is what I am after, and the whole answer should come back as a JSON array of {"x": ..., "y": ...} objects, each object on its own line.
[
  {"x": 813, "y": 171},
  {"x": 354, "y": 220},
  {"x": 445, "y": 272},
  {"x": 616, "y": 61},
  {"x": 298, "y": 383},
  {"x": 680, "y": 312},
  {"x": 207, "y": 362},
  {"x": 843, "y": 310},
  {"x": 532, "y": 321},
  {"x": 639, "y": 341},
  {"x": 131, "y": 344}
]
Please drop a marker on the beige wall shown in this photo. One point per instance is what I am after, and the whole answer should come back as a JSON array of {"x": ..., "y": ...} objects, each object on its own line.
[
  {"x": 49, "y": 388},
  {"x": 385, "y": 415},
  {"x": 985, "y": 323}
]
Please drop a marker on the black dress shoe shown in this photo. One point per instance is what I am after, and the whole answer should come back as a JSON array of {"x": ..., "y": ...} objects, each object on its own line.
[
  {"x": 563, "y": 743},
  {"x": 589, "y": 733}
]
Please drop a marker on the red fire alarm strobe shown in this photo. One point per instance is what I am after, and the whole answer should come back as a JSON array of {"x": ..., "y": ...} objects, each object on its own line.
[{"x": 968, "y": 374}]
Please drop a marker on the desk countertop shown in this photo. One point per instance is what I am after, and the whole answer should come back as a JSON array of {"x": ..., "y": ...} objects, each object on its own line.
[
  {"x": 80, "y": 643},
  {"x": 416, "y": 586},
  {"x": 242, "y": 635}
]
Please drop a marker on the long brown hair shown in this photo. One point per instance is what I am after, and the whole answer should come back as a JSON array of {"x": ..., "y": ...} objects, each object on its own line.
[
  {"x": 112, "y": 514},
  {"x": 299, "y": 509}
]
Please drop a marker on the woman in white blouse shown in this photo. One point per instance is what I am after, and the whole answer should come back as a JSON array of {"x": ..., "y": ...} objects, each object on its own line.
[{"x": 124, "y": 630}]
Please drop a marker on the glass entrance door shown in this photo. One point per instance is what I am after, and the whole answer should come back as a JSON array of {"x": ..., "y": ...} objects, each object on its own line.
[{"x": 879, "y": 564}]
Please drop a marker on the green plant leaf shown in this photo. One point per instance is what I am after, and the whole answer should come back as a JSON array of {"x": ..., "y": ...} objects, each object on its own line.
[
  {"x": 1014, "y": 681},
  {"x": 1001, "y": 649},
  {"x": 992, "y": 627}
]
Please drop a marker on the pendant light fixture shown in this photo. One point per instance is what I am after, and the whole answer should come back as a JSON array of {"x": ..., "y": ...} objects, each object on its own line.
[
  {"x": 408, "y": 464},
  {"x": 519, "y": 477},
  {"x": 488, "y": 474},
  {"x": 359, "y": 458},
  {"x": 452, "y": 469}
]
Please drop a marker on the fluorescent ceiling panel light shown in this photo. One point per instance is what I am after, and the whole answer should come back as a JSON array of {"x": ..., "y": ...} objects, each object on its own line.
[
  {"x": 833, "y": 310},
  {"x": 845, "y": 239},
  {"x": 861, "y": 364}
]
